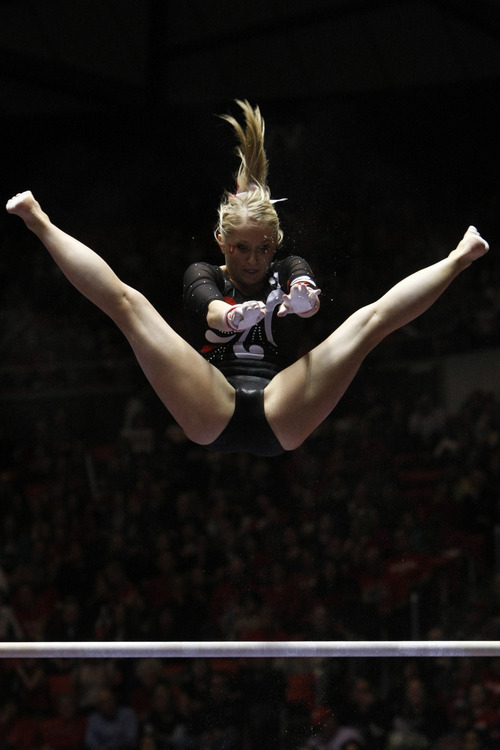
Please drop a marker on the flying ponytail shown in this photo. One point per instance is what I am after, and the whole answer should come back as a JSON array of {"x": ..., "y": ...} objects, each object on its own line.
[{"x": 252, "y": 200}]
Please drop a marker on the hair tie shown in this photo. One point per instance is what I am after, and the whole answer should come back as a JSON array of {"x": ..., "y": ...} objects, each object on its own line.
[{"x": 252, "y": 186}]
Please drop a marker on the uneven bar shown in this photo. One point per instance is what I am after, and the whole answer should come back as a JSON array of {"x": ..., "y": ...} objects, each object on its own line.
[{"x": 244, "y": 649}]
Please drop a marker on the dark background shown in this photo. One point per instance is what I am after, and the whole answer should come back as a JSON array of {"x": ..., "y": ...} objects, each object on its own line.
[{"x": 108, "y": 108}]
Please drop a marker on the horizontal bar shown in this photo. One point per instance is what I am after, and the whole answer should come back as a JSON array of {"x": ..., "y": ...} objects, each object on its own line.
[{"x": 235, "y": 649}]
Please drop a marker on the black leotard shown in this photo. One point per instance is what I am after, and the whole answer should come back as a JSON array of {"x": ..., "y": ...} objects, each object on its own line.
[
  {"x": 265, "y": 348},
  {"x": 249, "y": 359},
  {"x": 248, "y": 428}
]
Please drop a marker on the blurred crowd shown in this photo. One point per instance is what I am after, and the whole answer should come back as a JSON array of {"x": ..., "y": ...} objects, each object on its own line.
[{"x": 381, "y": 526}]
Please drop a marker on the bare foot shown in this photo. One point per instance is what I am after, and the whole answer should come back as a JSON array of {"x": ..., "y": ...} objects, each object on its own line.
[
  {"x": 27, "y": 208},
  {"x": 470, "y": 248}
]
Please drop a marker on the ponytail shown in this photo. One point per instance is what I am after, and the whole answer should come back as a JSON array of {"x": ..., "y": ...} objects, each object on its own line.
[
  {"x": 252, "y": 200},
  {"x": 253, "y": 168}
]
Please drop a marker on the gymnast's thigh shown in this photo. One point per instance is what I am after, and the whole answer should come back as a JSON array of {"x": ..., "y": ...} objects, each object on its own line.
[{"x": 197, "y": 395}]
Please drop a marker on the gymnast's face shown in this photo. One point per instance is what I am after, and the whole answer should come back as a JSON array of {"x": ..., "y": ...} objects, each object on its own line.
[{"x": 248, "y": 251}]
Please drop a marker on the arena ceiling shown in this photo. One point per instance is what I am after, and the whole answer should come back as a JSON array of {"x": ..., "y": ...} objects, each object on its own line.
[{"x": 86, "y": 55}]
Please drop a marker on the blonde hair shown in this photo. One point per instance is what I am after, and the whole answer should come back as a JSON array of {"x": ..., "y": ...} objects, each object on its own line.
[{"x": 252, "y": 200}]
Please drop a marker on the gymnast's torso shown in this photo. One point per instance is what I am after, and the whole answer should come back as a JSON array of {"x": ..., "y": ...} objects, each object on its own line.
[{"x": 265, "y": 348}]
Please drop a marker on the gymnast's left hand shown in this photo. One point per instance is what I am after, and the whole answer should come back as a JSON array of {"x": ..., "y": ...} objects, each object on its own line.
[{"x": 302, "y": 300}]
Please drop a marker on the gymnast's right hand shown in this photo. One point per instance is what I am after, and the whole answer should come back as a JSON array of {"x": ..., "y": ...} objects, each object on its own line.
[{"x": 244, "y": 316}]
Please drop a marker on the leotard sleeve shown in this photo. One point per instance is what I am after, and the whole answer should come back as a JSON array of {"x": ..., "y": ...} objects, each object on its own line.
[
  {"x": 203, "y": 283},
  {"x": 294, "y": 268}
]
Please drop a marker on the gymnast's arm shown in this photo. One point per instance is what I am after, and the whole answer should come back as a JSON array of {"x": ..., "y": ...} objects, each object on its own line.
[
  {"x": 203, "y": 296},
  {"x": 203, "y": 289}
]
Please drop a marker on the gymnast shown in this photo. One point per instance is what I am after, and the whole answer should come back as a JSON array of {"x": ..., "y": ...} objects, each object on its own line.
[{"x": 239, "y": 386}]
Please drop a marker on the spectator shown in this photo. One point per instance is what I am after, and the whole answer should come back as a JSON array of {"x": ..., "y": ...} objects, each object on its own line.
[
  {"x": 66, "y": 730},
  {"x": 146, "y": 675},
  {"x": 426, "y": 423},
  {"x": 418, "y": 721},
  {"x": 329, "y": 733},
  {"x": 110, "y": 725},
  {"x": 474, "y": 741},
  {"x": 33, "y": 687},
  {"x": 217, "y": 723},
  {"x": 164, "y": 722},
  {"x": 17, "y": 730},
  {"x": 263, "y": 697},
  {"x": 68, "y": 622},
  {"x": 484, "y": 716},
  {"x": 32, "y": 610},
  {"x": 368, "y": 713},
  {"x": 453, "y": 739},
  {"x": 92, "y": 677},
  {"x": 10, "y": 630}
]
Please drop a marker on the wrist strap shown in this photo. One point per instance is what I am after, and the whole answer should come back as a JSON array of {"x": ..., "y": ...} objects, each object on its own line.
[
  {"x": 226, "y": 318},
  {"x": 303, "y": 280}
]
